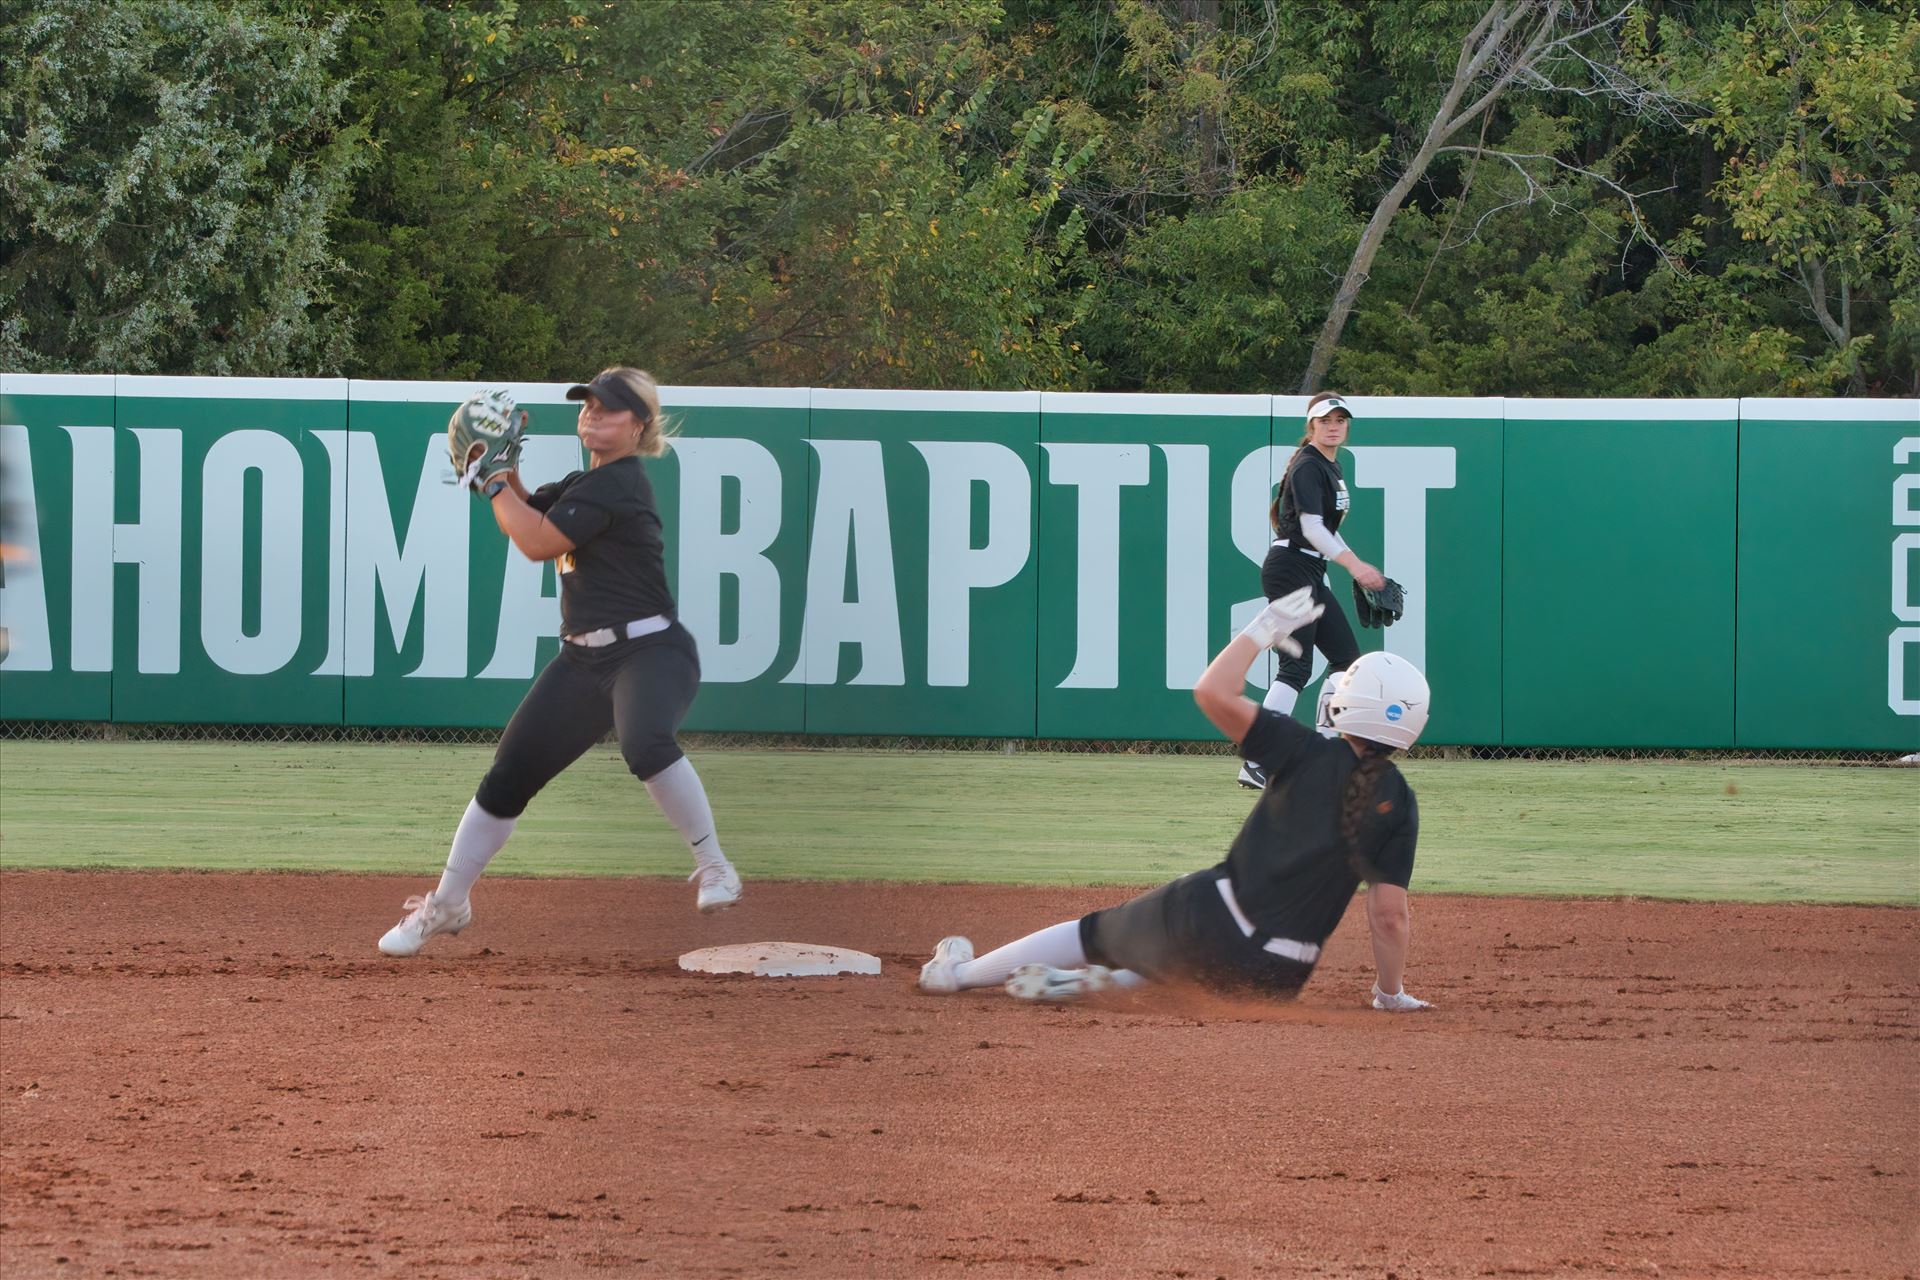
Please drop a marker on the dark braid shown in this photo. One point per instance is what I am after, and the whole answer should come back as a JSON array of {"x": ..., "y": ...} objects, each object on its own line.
[
  {"x": 1362, "y": 783},
  {"x": 1279, "y": 494}
]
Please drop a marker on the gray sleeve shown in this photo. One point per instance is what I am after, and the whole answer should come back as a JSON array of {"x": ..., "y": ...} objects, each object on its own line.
[{"x": 1324, "y": 540}]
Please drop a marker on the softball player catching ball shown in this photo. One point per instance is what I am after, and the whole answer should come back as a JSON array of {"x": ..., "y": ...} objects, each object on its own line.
[
  {"x": 1336, "y": 813},
  {"x": 625, "y": 662},
  {"x": 1306, "y": 516}
]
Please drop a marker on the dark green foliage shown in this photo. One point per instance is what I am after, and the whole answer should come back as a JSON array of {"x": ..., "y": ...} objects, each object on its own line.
[
  {"x": 170, "y": 167},
  {"x": 1125, "y": 194}
]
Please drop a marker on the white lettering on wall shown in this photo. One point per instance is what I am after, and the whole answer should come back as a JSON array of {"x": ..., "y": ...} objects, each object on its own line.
[
  {"x": 955, "y": 567},
  {"x": 223, "y": 546},
  {"x": 1904, "y": 608},
  {"x": 850, "y": 517},
  {"x": 1188, "y": 511},
  {"x": 1098, "y": 471},
  {"x": 1897, "y": 645},
  {"x": 152, "y": 543},
  {"x": 430, "y": 560},
  {"x": 26, "y": 638},
  {"x": 1252, "y": 502},
  {"x": 335, "y": 443},
  {"x": 708, "y": 554},
  {"x": 92, "y": 583}
]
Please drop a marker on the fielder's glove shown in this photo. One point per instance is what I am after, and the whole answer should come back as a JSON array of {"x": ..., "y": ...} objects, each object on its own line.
[
  {"x": 483, "y": 439},
  {"x": 1273, "y": 626},
  {"x": 1381, "y": 607},
  {"x": 1398, "y": 1002}
]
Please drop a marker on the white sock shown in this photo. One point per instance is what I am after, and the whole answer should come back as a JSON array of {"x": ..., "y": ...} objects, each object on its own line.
[
  {"x": 1280, "y": 697},
  {"x": 677, "y": 790},
  {"x": 1057, "y": 945},
  {"x": 478, "y": 838}
]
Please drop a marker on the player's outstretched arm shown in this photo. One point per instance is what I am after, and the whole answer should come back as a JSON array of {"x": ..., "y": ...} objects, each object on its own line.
[{"x": 1221, "y": 691}]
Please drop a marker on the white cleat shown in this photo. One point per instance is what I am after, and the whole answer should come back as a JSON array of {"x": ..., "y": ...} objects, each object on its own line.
[
  {"x": 1058, "y": 986},
  {"x": 1398, "y": 1002},
  {"x": 719, "y": 887},
  {"x": 1252, "y": 776},
  {"x": 425, "y": 917},
  {"x": 938, "y": 976}
]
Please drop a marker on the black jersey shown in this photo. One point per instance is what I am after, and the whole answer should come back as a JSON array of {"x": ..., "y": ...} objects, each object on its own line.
[
  {"x": 1312, "y": 487},
  {"x": 616, "y": 572},
  {"x": 1290, "y": 865}
]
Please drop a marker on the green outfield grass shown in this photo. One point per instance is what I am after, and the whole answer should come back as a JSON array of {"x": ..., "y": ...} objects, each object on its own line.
[{"x": 1752, "y": 832}]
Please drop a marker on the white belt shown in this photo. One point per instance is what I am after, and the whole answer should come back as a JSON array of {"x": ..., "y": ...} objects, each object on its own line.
[
  {"x": 1282, "y": 542},
  {"x": 625, "y": 631},
  {"x": 1304, "y": 952}
]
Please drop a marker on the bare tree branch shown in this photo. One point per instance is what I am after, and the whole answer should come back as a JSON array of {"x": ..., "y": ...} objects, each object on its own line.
[
  {"x": 1507, "y": 67},
  {"x": 1537, "y": 191},
  {"x": 1473, "y": 168},
  {"x": 1813, "y": 278},
  {"x": 1472, "y": 52},
  {"x": 1514, "y": 43},
  {"x": 751, "y": 121}
]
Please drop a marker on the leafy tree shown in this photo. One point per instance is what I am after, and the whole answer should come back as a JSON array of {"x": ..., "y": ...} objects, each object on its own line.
[
  {"x": 1512, "y": 46},
  {"x": 1218, "y": 158},
  {"x": 439, "y": 268},
  {"x": 1812, "y": 106},
  {"x": 171, "y": 170},
  {"x": 1549, "y": 197},
  {"x": 747, "y": 193},
  {"x": 1223, "y": 299},
  {"x": 1484, "y": 296}
]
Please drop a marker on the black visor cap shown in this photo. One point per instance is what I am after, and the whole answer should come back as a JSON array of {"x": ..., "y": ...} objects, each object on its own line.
[{"x": 615, "y": 389}]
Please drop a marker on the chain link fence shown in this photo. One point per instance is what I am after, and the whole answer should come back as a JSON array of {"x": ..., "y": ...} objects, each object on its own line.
[{"x": 96, "y": 731}]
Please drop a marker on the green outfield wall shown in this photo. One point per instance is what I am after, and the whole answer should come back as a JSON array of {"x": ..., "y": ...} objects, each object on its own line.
[{"x": 1708, "y": 573}]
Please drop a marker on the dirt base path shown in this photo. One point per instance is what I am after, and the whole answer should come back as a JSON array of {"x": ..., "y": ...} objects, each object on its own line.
[{"x": 205, "y": 1075}]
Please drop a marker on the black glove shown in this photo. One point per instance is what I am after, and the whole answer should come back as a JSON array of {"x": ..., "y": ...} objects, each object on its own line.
[{"x": 1382, "y": 607}]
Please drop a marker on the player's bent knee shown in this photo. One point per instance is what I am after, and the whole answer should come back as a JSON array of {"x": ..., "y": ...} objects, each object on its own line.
[
  {"x": 499, "y": 796},
  {"x": 648, "y": 760}
]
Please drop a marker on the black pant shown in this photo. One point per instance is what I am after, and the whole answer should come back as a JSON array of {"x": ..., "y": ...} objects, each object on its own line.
[
  {"x": 1287, "y": 570},
  {"x": 1183, "y": 930},
  {"x": 640, "y": 688}
]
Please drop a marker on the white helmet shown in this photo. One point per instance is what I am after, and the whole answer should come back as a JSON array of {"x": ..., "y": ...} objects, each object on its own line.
[{"x": 1381, "y": 698}]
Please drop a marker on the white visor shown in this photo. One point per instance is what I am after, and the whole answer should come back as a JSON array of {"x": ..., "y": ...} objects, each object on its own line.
[{"x": 1330, "y": 405}]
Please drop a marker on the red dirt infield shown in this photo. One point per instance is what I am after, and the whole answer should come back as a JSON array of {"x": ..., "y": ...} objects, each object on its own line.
[{"x": 217, "y": 1075}]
